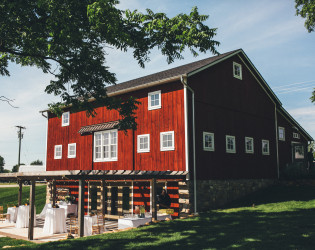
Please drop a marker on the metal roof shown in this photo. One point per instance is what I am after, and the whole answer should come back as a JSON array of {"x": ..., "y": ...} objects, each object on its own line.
[{"x": 98, "y": 127}]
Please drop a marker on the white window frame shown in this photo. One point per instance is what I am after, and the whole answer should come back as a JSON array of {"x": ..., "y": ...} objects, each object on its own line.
[
  {"x": 63, "y": 123},
  {"x": 143, "y": 150},
  {"x": 283, "y": 129},
  {"x": 205, "y": 148},
  {"x": 150, "y": 107},
  {"x": 168, "y": 148},
  {"x": 249, "y": 151},
  {"x": 240, "y": 76},
  {"x": 75, "y": 150},
  {"x": 262, "y": 147},
  {"x": 227, "y": 137},
  {"x": 109, "y": 158},
  {"x": 55, "y": 153},
  {"x": 296, "y": 135}
]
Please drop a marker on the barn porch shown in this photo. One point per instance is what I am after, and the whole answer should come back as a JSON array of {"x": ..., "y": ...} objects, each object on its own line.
[{"x": 82, "y": 177}]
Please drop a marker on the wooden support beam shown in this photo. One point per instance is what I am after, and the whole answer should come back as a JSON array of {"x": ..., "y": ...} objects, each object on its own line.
[
  {"x": 103, "y": 202},
  {"x": 154, "y": 207},
  {"x": 20, "y": 192},
  {"x": 81, "y": 207},
  {"x": 32, "y": 211},
  {"x": 54, "y": 192}
]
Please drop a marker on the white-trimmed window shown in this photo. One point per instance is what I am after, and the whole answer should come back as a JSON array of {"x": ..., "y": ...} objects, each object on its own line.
[
  {"x": 167, "y": 141},
  {"x": 296, "y": 135},
  {"x": 58, "y": 152},
  {"x": 72, "y": 148},
  {"x": 281, "y": 133},
  {"x": 208, "y": 141},
  {"x": 154, "y": 100},
  {"x": 230, "y": 144},
  {"x": 299, "y": 152},
  {"x": 105, "y": 145},
  {"x": 143, "y": 143},
  {"x": 65, "y": 119},
  {"x": 237, "y": 70},
  {"x": 249, "y": 145},
  {"x": 265, "y": 147}
]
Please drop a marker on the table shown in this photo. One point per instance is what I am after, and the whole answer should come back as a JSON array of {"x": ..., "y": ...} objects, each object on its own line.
[
  {"x": 22, "y": 218},
  {"x": 136, "y": 222},
  {"x": 12, "y": 211},
  {"x": 55, "y": 221},
  {"x": 69, "y": 208},
  {"x": 89, "y": 221}
]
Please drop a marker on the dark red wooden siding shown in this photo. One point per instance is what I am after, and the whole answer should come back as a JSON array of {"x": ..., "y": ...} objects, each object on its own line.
[
  {"x": 285, "y": 147},
  {"x": 169, "y": 118},
  {"x": 224, "y": 106}
]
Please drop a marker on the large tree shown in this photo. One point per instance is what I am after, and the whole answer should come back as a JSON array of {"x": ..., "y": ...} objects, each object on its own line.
[
  {"x": 2, "y": 162},
  {"x": 306, "y": 9},
  {"x": 70, "y": 39}
]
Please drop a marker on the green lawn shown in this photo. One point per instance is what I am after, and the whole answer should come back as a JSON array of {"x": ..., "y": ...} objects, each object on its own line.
[
  {"x": 9, "y": 195},
  {"x": 281, "y": 218}
]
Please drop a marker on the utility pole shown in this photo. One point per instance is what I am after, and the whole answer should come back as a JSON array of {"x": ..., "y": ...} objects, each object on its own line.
[{"x": 20, "y": 136}]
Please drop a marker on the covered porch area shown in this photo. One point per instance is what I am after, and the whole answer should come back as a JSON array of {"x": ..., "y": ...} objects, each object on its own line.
[{"x": 103, "y": 180}]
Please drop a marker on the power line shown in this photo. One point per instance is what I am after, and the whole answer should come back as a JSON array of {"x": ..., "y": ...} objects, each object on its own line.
[
  {"x": 291, "y": 84},
  {"x": 295, "y": 90}
]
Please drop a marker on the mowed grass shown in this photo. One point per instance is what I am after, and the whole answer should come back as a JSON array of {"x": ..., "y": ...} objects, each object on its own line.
[
  {"x": 276, "y": 218},
  {"x": 9, "y": 195}
]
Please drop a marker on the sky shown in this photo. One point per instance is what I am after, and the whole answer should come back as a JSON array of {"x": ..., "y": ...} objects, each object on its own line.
[{"x": 269, "y": 32}]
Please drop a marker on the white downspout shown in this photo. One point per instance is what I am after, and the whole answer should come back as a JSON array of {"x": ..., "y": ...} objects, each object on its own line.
[
  {"x": 183, "y": 79},
  {"x": 277, "y": 141}
]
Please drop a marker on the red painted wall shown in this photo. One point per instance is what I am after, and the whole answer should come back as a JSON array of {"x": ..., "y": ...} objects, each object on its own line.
[
  {"x": 169, "y": 118},
  {"x": 225, "y": 105}
]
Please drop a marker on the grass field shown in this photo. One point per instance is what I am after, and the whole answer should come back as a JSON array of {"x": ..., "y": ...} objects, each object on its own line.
[
  {"x": 277, "y": 218},
  {"x": 9, "y": 195}
]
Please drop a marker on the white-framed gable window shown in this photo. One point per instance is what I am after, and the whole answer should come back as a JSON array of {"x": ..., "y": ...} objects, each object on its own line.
[
  {"x": 265, "y": 147},
  {"x": 58, "y": 152},
  {"x": 65, "y": 119},
  {"x": 154, "y": 100},
  {"x": 249, "y": 145},
  {"x": 167, "y": 141},
  {"x": 296, "y": 135},
  {"x": 208, "y": 141},
  {"x": 72, "y": 148},
  {"x": 230, "y": 144},
  {"x": 143, "y": 143},
  {"x": 237, "y": 70},
  {"x": 106, "y": 145},
  {"x": 281, "y": 133}
]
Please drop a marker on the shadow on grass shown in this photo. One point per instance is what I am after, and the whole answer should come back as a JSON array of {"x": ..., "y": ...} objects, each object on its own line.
[
  {"x": 247, "y": 229},
  {"x": 275, "y": 194}
]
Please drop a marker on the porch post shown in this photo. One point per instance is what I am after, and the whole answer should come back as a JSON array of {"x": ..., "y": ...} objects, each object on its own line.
[
  {"x": 54, "y": 192},
  {"x": 103, "y": 197},
  {"x": 20, "y": 193},
  {"x": 31, "y": 211},
  {"x": 81, "y": 207},
  {"x": 154, "y": 207}
]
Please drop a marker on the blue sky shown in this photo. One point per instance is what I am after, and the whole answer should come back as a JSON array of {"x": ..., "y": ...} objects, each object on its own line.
[{"x": 274, "y": 39}]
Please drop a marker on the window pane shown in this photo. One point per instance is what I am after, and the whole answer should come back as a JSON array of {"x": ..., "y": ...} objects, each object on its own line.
[
  {"x": 105, "y": 138},
  {"x": 113, "y": 150}
]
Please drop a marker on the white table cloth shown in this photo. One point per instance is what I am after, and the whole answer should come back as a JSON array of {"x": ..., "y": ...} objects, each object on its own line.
[
  {"x": 136, "y": 222},
  {"x": 69, "y": 208},
  {"x": 12, "y": 211},
  {"x": 22, "y": 218},
  {"x": 55, "y": 221},
  {"x": 89, "y": 221}
]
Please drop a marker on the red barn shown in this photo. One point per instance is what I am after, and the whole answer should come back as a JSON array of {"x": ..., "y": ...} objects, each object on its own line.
[{"x": 216, "y": 120}]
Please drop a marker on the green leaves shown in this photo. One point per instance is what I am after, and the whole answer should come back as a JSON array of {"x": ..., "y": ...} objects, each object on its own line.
[
  {"x": 306, "y": 9},
  {"x": 68, "y": 39}
]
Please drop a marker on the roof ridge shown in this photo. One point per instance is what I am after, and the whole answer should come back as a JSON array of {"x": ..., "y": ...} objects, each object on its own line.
[{"x": 168, "y": 73}]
